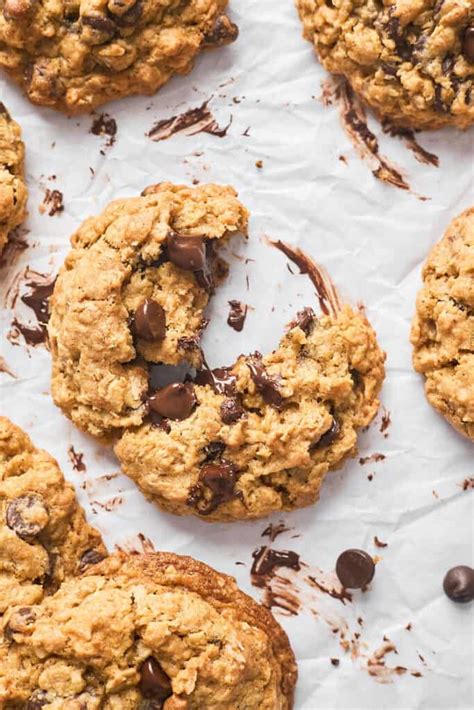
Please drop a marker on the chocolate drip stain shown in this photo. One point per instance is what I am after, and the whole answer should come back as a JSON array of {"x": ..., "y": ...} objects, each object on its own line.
[
  {"x": 237, "y": 315},
  {"x": 77, "y": 460},
  {"x": 195, "y": 120},
  {"x": 273, "y": 530},
  {"x": 53, "y": 202},
  {"x": 326, "y": 291},
  {"x": 408, "y": 136},
  {"x": 39, "y": 288},
  {"x": 354, "y": 121},
  {"x": 266, "y": 560}
]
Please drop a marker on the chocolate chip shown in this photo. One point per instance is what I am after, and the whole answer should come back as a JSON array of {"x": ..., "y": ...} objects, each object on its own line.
[
  {"x": 20, "y": 621},
  {"x": 150, "y": 321},
  {"x": 37, "y": 700},
  {"x": 189, "y": 253},
  {"x": 355, "y": 569},
  {"x": 154, "y": 683},
  {"x": 328, "y": 437},
  {"x": 223, "y": 32},
  {"x": 458, "y": 584},
  {"x": 219, "y": 479},
  {"x": 231, "y": 411},
  {"x": 89, "y": 558},
  {"x": 468, "y": 44},
  {"x": 99, "y": 23},
  {"x": 175, "y": 401},
  {"x": 266, "y": 385},
  {"x": 213, "y": 450},
  {"x": 27, "y": 516}
]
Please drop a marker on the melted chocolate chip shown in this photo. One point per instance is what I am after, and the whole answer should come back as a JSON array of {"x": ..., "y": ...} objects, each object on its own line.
[
  {"x": 219, "y": 479},
  {"x": 89, "y": 558},
  {"x": 237, "y": 315},
  {"x": 213, "y": 450},
  {"x": 404, "y": 49},
  {"x": 468, "y": 44},
  {"x": 231, "y": 411},
  {"x": 266, "y": 385},
  {"x": 150, "y": 321},
  {"x": 221, "y": 379},
  {"x": 266, "y": 560},
  {"x": 27, "y": 516},
  {"x": 19, "y": 622},
  {"x": 355, "y": 569},
  {"x": 458, "y": 584},
  {"x": 328, "y": 437},
  {"x": 154, "y": 683},
  {"x": 175, "y": 401},
  {"x": 190, "y": 254}
]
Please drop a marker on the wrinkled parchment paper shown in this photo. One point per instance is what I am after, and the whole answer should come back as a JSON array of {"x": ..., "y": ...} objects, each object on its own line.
[{"x": 312, "y": 190}]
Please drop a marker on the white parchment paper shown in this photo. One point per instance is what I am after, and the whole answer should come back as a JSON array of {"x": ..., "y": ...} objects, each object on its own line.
[{"x": 373, "y": 239}]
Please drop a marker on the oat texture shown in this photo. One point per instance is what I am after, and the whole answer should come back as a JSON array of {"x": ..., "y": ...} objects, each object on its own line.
[
  {"x": 86, "y": 646},
  {"x": 443, "y": 327},
  {"x": 411, "y": 60},
  {"x": 74, "y": 55},
  {"x": 13, "y": 192}
]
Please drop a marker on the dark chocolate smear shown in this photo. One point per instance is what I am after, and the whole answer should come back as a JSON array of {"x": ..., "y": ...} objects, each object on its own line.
[
  {"x": 266, "y": 560},
  {"x": 237, "y": 315},
  {"x": 217, "y": 479},
  {"x": 267, "y": 385}
]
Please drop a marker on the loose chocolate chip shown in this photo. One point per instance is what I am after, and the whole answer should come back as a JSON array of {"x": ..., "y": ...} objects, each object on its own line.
[
  {"x": 328, "y": 437},
  {"x": 19, "y": 621},
  {"x": 150, "y": 321},
  {"x": 231, "y": 411},
  {"x": 355, "y": 569},
  {"x": 223, "y": 32},
  {"x": 154, "y": 683},
  {"x": 37, "y": 700},
  {"x": 265, "y": 384},
  {"x": 27, "y": 516},
  {"x": 468, "y": 44},
  {"x": 458, "y": 584},
  {"x": 89, "y": 558},
  {"x": 175, "y": 401},
  {"x": 190, "y": 254}
]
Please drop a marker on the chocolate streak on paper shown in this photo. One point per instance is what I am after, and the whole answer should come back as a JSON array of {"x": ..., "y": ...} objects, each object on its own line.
[
  {"x": 15, "y": 246},
  {"x": 326, "y": 291},
  {"x": 354, "y": 121},
  {"x": 237, "y": 315},
  {"x": 191, "y": 122},
  {"x": 77, "y": 460},
  {"x": 53, "y": 202},
  {"x": 373, "y": 458},
  {"x": 274, "y": 529},
  {"x": 408, "y": 136},
  {"x": 39, "y": 288}
]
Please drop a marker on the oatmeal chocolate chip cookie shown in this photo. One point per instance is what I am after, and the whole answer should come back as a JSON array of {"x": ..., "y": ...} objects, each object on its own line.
[
  {"x": 443, "y": 328},
  {"x": 132, "y": 292},
  {"x": 44, "y": 537},
  {"x": 13, "y": 192},
  {"x": 259, "y": 437},
  {"x": 410, "y": 60},
  {"x": 75, "y": 55},
  {"x": 147, "y": 631}
]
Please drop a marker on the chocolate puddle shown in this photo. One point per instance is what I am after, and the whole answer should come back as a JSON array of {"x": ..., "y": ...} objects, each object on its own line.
[
  {"x": 77, "y": 460},
  {"x": 408, "y": 136},
  {"x": 354, "y": 121},
  {"x": 53, "y": 202},
  {"x": 326, "y": 291},
  {"x": 38, "y": 289},
  {"x": 190, "y": 122}
]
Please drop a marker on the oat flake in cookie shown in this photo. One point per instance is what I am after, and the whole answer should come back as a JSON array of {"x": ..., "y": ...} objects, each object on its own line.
[
  {"x": 147, "y": 631},
  {"x": 443, "y": 328},
  {"x": 44, "y": 536},
  {"x": 13, "y": 192},
  {"x": 73, "y": 56},
  {"x": 411, "y": 60}
]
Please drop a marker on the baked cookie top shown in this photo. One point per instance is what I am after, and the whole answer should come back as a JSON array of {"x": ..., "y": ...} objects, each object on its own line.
[
  {"x": 132, "y": 292},
  {"x": 147, "y": 631},
  {"x": 443, "y": 328},
  {"x": 410, "y": 60},
  {"x": 13, "y": 192},
  {"x": 260, "y": 436},
  {"x": 44, "y": 536},
  {"x": 74, "y": 55}
]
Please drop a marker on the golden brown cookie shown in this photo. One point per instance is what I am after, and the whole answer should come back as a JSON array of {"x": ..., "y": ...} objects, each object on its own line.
[
  {"x": 443, "y": 328},
  {"x": 13, "y": 192},
  {"x": 132, "y": 292},
  {"x": 147, "y": 631},
  {"x": 44, "y": 536},
  {"x": 261, "y": 435},
  {"x": 75, "y": 55},
  {"x": 412, "y": 61}
]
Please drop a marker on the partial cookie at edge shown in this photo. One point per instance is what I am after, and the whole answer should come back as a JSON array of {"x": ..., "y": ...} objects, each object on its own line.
[{"x": 13, "y": 192}]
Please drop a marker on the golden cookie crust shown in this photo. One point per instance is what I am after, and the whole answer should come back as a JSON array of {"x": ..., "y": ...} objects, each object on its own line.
[
  {"x": 410, "y": 60},
  {"x": 74, "y": 55},
  {"x": 100, "y": 372},
  {"x": 328, "y": 377},
  {"x": 44, "y": 536},
  {"x": 13, "y": 192},
  {"x": 443, "y": 327},
  {"x": 85, "y": 646}
]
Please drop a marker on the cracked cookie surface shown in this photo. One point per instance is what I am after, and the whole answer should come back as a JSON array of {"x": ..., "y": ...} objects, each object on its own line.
[
  {"x": 262, "y": 434},
  {"x": 443, "y": 328},
  {"x": 147, "y": 631},
  {"x": 13, "y": 192},
  {"x": 132, "y": 292},
  {"x": 74, "y": 55},
  {"x": 44, "y": 536},
  {"x": 412, "y": 61}
]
